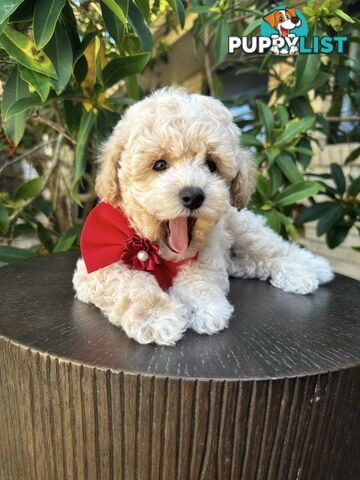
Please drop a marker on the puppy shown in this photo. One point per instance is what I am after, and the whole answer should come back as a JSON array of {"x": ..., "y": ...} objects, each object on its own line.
[
  {"x": 173, "y": 184},
  {"x": 284, "y": 21}
]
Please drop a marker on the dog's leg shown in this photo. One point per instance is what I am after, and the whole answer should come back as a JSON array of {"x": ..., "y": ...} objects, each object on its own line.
[
  {"x": 134, "y": 301},
  {"x": 203, "y": 285},
  {"x": 258, "y": 252}
]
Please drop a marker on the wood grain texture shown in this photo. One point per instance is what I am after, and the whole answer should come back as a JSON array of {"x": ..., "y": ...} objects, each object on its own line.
[{"x": 276, "y": 396}]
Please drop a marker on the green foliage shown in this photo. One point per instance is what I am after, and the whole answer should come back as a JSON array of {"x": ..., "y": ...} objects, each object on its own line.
[
  {"x": 71, "y": 68},
  {"x": 69, "y": 61},
  {"x": 282, "y": 127}
]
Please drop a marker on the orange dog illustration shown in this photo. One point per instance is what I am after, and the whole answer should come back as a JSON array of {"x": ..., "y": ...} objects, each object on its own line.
[{"x": 284, "y": 21}]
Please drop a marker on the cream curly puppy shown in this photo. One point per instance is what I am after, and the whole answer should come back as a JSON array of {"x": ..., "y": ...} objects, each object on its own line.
[{"x": 173, "y": 166}]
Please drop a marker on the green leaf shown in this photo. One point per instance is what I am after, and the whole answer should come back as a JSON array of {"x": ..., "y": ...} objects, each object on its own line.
[
  {"x": 276, "y": 179},
  {"x": 105, "y": 123},
  {"x": 302, "y": 106},
  {"x": 4, "y": 219},
  {"x": 248, "y": 140},
  {"x": 60, "y": 52},
  {"x": 294, "y": 128},
  {"x": 316, "y": 83},
  {"x": 273, "y": 220},
  {"x": 338, "y": 177},
  {"x": 306, "y": 69},
  {"x": 22, "y": 105},
  {"x": 15, "y": 88},
  {"x": 296, "y": 192},
  {"x": 332, "y": 215},
  {"x": 266, "y": 119},
  {"x": 38, "y": 82},
  {"x": 24, "y": 13},
  {"x": 282, "y": 114},
  {"x": 23, "y": 229},
  {"x": 139, "y": 26},
  {"x": 221, "y": 39},
  {"x": 23, "y": 50},
  {"x": 336, "y": 235},
  {"x": 7, "y": 7},
  {"x": 314, "y": 212},
  {"x": 305, "y": 152},
  {"x": 69, "y": 22},
  {"x": 89, "y": 37},
  {"x": 29, "y": 189},
  {"x": 12, "y": 254},
  {"x": 64, "y": 244},
  {"x": 45, "y": 237},
  {"x": 72, "y": 113},
  {"x": 132, "y": 87},
  {"x": 144, "y": 7},
  {"x": 117, "y": 8},
  {"x": 288, "y": 167},
  {"x": 178, "y": 7},
  {"x": 263, "y": 186},
  {"x": 271, "y": 154},
  {"x": 340, "y": 13},
  {"x": 115, "y": 28},
  {"x": 352, "y": 156},
  {"x": 354, "y": 187},
  {"x": 122, "y": 67},
  {"x": 86, "y": 125},
  {"x": 46, "y": 15}
]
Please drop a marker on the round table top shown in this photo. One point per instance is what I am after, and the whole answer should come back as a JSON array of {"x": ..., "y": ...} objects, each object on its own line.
[{"x": 272, "y": 334}]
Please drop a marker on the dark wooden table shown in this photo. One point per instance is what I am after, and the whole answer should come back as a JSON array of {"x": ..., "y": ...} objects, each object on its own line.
[{"x": 276, "y": 396}]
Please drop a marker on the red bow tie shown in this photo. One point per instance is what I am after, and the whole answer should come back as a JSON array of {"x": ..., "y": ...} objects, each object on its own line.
[{"x": 107, "y": 237}]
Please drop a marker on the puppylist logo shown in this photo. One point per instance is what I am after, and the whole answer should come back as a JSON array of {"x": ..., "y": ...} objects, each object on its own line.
[{"x": 284, "y": 31}]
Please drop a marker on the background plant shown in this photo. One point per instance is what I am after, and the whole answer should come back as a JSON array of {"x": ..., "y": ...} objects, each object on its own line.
[
  {"x": 281, "y": 126},
  {"x": 70, "y": 68}
]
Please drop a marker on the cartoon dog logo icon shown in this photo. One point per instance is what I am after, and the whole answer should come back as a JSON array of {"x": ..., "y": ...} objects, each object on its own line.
[{"x": 283, "y": 21}]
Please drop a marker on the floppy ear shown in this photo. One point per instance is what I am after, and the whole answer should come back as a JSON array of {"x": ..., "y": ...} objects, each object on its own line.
[
  {"x": 107, "y": 182},
  {"x": 243, "y": 185},
  {"x": 271, "y": 18},
  {"x": 291, "y": 12}
]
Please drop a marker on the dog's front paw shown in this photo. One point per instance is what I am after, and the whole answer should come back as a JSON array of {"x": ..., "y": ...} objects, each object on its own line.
[
  {"x": 155, "y": 319},
  {"x": 294, "y": 278},
  {"x": 320, "y": 267},
  {"x": 210, "y": 315}
]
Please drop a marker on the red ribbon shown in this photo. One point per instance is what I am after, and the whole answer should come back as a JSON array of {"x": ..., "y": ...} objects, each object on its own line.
[{"x": 107, "y": 237}]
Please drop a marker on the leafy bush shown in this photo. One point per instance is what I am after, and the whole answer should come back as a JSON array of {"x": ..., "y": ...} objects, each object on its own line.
[
  {"x": 70, "y": 68},
  {"x": 282, "y": 126}
]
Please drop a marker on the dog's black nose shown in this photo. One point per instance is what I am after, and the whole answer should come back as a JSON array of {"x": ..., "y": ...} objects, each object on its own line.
[
  {"x": 192, "y": 197},
  {"x": 295, "y": 19}
]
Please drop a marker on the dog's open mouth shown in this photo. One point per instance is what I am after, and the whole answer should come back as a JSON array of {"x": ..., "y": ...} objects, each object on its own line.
[
  {"x": 284, "y": 31},
  {"x": 179, "y": 233}
]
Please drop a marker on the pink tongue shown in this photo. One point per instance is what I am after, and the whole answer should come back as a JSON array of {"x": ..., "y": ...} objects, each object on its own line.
[{"x": 179, "y": 238}]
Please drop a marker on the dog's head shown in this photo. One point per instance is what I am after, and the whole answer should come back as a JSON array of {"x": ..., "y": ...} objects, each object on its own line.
[
  {"x": 283, "y": 20},
  {"x": 174, "y": 165}
]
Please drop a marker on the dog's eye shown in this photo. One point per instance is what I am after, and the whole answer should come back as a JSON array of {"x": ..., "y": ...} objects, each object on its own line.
[
  {"x": 211, "y": 165},
  {"x": 160, "y": 165},
  {"x": 281, "y": 19}
]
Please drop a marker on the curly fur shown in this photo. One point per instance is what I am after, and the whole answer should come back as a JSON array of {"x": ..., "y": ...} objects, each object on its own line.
[{"x": 184, "y": 129}]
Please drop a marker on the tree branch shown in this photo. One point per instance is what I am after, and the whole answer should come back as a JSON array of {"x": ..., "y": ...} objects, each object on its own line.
[
  {"x": 350, "y": 118},
  {"x": 56, "y": 127},
  {"x": 207, "y": 62},
  {"x": 26, "y": 154}
]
